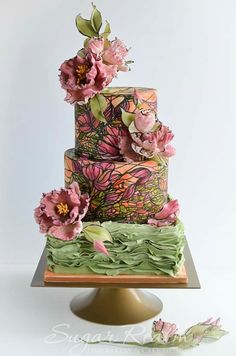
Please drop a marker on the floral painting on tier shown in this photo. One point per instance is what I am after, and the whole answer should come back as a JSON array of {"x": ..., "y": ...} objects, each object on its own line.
[
  {"x": 102, "y": 140},
  {"x": 123, "y": 191}
]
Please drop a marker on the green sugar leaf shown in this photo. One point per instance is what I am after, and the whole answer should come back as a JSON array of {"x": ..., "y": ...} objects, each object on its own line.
[
  {"x": 97, "y": 233},
  {"x": 155, "y": 126},
  {"x": 98, "y": 105},
  {"x": 132, "y": 128},
  {"x": 86, "y": 42},
  {"x": 127, "y": 117},
  {"x": 107, "y": 31},
  {"x": 96, "y": 19},
  {"x": 81, "y": 53},
  {"x": 85, "y": 27}
]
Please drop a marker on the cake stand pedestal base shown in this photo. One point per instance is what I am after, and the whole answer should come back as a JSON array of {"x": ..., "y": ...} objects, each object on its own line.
[
  {"x": 114, "y": 301},
  {"x": 116, "y": 306}
]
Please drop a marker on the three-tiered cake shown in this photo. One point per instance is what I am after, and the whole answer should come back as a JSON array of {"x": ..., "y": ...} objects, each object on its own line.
[{"x": 115, "y": 177}]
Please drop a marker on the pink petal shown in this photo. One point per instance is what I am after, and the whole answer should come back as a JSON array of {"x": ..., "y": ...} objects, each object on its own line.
[
  {"x": 144, "y": 121},
  {"x": 66, "y": 232},
  {"x": 172, "y": 207},
  {"x": 169, "y": 151},
  {"x": 100, "y": 247}
]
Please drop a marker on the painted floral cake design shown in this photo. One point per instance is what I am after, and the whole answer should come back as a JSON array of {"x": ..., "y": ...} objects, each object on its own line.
[{"x": 119, "y": 191}]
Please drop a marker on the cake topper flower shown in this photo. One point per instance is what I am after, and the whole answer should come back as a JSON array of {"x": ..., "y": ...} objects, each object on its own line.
[
  {"x": 94, "y": 67},
  {"x": 60, "y": 215}
]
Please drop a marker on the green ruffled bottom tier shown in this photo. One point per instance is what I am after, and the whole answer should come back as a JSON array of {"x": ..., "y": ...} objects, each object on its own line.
[{"x": 138, "y": 249}]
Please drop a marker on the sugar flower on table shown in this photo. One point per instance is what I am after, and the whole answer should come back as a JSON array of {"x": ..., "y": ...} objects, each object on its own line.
[
  {"x": 163, "y": 331},
  {"x": 60, "y": 212},
  {"x": 164, "y": 335}
]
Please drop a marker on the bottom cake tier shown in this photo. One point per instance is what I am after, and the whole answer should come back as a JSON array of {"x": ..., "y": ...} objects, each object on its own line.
[{"x": 135, "y": 249}]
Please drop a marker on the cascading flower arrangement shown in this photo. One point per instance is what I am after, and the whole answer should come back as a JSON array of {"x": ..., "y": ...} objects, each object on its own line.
[
  {"x": 94, "y": 66},
  {"x": 60, "y": 215}
]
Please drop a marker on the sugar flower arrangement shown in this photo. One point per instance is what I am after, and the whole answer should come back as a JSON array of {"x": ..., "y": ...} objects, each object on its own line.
[
  {"x": 60, "y": 214},
  {"x": 92, "y": 69},
  {"x": 95, "y": 65},
  {"x": 165, "y": 335}
]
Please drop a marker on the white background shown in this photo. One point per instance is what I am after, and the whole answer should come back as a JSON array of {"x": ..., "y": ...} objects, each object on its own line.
[{"x": 184, "y": 48}]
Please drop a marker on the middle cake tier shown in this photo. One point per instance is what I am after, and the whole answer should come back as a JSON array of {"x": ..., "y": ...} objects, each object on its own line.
[{"x": 119, "y": 191}]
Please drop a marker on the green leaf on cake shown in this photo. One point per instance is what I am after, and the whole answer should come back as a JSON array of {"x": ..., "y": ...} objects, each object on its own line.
[
  {"x": 96, "y": 233},
  {"x": 155, "y": 126},
  {"x": 85, "y": 27},
  {"x": 127, "y": 117},
  {"x": 98, "y": 105},
  {"x": 96, "y": 19},
  {"x": 107, "y": 31},
  {"x": 132, "y": 128}
]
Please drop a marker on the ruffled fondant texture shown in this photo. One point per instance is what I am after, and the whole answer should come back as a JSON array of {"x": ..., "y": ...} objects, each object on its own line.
[{"x": 136, "y": 249}]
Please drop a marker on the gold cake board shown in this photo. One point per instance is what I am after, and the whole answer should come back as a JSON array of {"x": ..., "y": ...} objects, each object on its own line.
[
  {"x": 180, "y": 277},
  {"x": 115, "y": 300}
]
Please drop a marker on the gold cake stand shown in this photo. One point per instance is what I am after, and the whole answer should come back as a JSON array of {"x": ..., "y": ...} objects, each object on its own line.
[{"x": 117, "y": 300}]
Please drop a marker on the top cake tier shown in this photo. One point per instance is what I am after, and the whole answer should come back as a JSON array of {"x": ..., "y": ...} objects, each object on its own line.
[{"x": 95, "y": 139}]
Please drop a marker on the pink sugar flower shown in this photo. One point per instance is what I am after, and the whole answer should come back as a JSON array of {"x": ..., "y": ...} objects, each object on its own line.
[
  {"x": 115, "y": 55},
  {"x": 139, "y": 141},
  {"x": 167, "y": 215},
  {"x": 151, "y": 144},
  {"x": 60, "y": 212},
  {"x": 83, "y": 78},
  {"x": 163, "y": 331}
]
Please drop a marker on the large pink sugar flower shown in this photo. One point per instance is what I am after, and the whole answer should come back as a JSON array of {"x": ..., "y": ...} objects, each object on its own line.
[
  {"x": 82, "y": 78},
  {"x": 115, "y": 54},
  {"x": 60, "y": 212},
  {"x": 162, "y": 331},
  {"x": 167, "y": 215}
]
